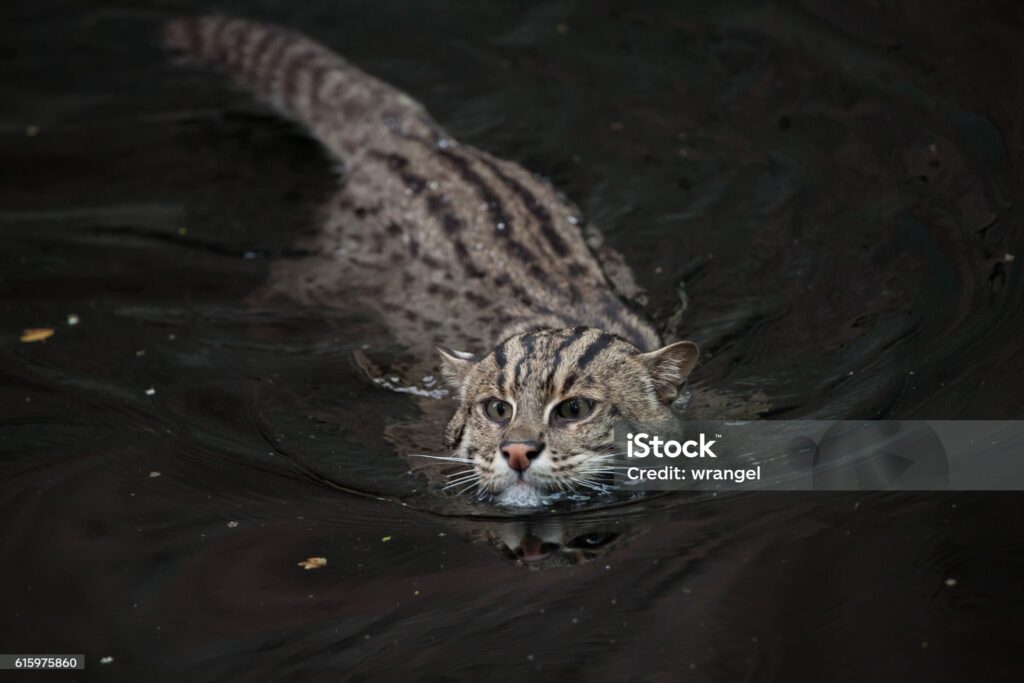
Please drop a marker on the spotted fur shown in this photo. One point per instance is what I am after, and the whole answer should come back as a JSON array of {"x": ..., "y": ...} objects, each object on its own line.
[{"x": 452, "y": 246}]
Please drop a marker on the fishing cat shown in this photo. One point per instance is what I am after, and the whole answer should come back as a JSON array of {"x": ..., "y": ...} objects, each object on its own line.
[{"x": 463, "y": 250}]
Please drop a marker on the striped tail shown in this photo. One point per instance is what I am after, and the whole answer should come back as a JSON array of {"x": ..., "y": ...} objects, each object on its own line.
[{"x": 342, "y": 106}]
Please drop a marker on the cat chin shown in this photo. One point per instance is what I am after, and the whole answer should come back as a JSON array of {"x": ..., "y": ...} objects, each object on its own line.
[{"x": 520, "y": 495}]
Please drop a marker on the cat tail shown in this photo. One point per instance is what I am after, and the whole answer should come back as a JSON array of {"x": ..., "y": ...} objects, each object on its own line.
[{"x": 342, "y": 106}]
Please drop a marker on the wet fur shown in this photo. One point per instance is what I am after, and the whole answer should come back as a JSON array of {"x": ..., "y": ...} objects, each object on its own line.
[{"x": 449, "y": 245}]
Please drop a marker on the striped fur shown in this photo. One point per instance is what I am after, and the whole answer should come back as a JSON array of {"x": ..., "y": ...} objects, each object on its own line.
[
  {"x": 450, "y": 245},
  {"x": 343, "y": 107}
]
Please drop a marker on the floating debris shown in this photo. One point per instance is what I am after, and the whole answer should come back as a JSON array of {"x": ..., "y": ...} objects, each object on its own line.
[
  {"x": 72, "y": 319},
  {"x": 385, "y": 539},
  {"x": 232, "y": 524},
  {"x": 950, "y": 582},
  {"x": 313, "y": 563},
  {"x": 34, "y": 334},
  {"x": 32, "y": 131},
  {"x": 182, "y": 231},
  {"x": 106, "y": 660},
  {"x": 1009, "y": 258},
  {"x": 150, "y": 391},
  {"x": 154, "y": 474}
]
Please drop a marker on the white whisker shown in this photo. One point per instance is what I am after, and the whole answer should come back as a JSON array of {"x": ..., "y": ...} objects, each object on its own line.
[
  {"x": 468, "y": 488},
  {"x": 449, "y": 458},
  {"x": 460, "y": 482},
  {"x": 591, "y": 483},
  {"x": 607, "y": 456}
]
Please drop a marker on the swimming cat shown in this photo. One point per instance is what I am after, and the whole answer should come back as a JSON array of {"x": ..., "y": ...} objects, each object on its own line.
[{"x": 463, "y": 250}]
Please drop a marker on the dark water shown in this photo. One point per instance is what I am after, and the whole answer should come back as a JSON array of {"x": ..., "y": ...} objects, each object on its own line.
[{"x": 837, "y": 185}]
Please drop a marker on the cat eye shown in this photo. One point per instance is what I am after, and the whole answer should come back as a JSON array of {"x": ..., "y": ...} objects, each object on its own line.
[
  {"x": 593, "y": 540},
  {"x": 497, "y": 410},
  {"x": 572, "y": 409}
]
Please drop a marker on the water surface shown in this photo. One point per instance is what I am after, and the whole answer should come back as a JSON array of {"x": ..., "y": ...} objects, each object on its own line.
[{"x": 836, "y": 191}]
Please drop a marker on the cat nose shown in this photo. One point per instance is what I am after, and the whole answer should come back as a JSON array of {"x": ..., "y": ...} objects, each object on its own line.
[
  {"x": 532, "y": 548},
  {"x": 520, "y": 453}
]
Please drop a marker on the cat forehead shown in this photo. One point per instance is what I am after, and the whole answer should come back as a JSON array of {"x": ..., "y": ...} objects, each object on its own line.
[{"x": 555, "y": 361}]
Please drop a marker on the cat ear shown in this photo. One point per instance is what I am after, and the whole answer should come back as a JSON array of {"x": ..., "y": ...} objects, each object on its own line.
[
  {"x": 456, "y": 365},
  {"x": 669, "y": 367}
]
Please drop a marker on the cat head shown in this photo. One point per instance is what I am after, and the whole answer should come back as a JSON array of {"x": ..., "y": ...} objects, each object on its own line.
[{"x": 537, "y": 414}]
